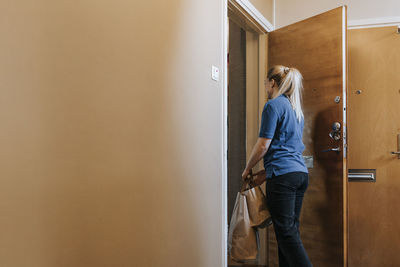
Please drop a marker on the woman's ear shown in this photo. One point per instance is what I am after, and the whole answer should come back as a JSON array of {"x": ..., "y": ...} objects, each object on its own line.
[{"x": 273, "y": 83}]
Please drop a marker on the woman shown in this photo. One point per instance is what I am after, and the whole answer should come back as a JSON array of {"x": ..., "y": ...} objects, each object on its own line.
[{"x": 280, "y": 143}]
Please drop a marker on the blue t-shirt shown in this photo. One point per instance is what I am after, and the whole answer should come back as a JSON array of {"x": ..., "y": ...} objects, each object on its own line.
[{"x": 280, "y": 124}]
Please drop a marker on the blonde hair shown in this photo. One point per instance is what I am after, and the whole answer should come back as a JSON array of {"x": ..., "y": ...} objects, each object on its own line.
[{"x": 290, "y": 83}]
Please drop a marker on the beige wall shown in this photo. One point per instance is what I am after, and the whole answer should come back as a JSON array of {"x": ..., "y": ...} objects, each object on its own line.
[
  {"x": 266, "y": 8},
  {"x": 111, "y": 133},
  {"x": 290, "y": 11}
]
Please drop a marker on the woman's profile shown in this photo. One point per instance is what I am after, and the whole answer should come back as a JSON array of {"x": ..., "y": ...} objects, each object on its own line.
[{"x": 280, "y": 145}]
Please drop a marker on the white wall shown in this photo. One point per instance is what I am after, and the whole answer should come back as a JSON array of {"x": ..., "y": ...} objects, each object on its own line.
[
  {"x": 111, "y": 133},
  {"x": 290, "y": 11}
]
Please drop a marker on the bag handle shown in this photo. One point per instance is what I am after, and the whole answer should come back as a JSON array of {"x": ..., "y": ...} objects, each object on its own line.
[{"x": 249, "y": 180}]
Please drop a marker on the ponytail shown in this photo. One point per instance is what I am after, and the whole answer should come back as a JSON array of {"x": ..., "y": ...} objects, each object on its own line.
[{"x": 290, "y": 83}]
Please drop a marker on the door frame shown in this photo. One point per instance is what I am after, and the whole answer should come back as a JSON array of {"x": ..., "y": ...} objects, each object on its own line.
[
  {"x": 345, "y": 152},
  {"x": 254, "y": 21}
]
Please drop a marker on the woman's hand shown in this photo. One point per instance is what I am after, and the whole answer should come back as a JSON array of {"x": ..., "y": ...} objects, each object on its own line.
[
  {"x": 245, "y": 174},
  {"x": 259, "y": 178}
]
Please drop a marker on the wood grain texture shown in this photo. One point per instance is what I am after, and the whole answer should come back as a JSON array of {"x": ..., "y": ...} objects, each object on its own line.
[
  {"x": 315, "y": 47},
  {"x": 374, "y": 123}
]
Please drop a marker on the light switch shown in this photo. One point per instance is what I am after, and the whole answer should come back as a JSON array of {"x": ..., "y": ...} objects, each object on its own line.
[{"x": 215, "y": 73}]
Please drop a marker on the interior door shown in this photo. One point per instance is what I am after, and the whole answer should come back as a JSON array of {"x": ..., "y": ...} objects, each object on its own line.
[
  {"x": 374, "y": 97},
  {"x": 317, "y": 47}
]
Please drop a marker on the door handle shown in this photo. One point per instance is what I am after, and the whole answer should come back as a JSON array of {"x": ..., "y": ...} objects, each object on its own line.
[
  {"x": 396, "y": 153},
  {"x": 335, "y": 149}
]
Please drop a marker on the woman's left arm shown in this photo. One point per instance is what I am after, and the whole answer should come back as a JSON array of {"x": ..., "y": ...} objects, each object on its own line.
[{"x": 258, "y": 152}]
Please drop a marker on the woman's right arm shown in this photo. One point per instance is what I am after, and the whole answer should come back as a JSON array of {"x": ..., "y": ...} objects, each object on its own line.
[{"x": 258, "y": 152}]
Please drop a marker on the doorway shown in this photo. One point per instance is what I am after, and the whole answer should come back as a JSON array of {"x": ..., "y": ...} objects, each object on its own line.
[
  {"x": 303, "y": 45},
  {"x": 243, "y": 116},
  {"x": 245, "y": 100}
]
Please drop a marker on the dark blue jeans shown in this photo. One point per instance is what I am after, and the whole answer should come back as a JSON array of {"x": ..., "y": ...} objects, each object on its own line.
[{"x": 285, "y": 197}]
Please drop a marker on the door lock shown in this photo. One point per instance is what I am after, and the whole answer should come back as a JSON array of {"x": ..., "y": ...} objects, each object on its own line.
[
  {"x": 335, "y": 133},
  {"x": 336, "y": 126}
]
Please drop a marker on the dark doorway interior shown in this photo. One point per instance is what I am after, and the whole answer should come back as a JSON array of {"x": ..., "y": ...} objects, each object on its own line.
[{"x": 236, "y": 111}]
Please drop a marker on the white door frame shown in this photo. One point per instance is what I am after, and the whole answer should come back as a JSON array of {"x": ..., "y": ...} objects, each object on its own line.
[
  {"x": 373, "y": 23},
  {"x": 258, "y": 23}
]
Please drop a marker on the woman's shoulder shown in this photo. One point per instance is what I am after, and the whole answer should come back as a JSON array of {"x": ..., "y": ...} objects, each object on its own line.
[{"x": 277, "y": 103}]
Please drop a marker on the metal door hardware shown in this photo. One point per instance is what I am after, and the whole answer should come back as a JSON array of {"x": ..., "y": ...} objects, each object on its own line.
[
  {"x": 398, "y": 147},
  {"x": 336, "y": 126},
  {"x": 362, "y": 175},
  {"x": 335, "y": 133},
  {"x": 337, "y": 99},
  {"x": 335, "y": 149}
]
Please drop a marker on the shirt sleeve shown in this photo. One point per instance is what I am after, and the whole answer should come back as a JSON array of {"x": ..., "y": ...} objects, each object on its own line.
[{"x": 269, "y": 121}]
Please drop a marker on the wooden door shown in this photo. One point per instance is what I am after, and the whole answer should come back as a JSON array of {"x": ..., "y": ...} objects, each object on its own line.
[
  {"x": 317, "y": 47},
  {"x": 374, "y": 117}
]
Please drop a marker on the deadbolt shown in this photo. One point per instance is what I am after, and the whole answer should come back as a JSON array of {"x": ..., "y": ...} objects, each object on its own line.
[
  {"x": 335, "y": 133},
  {"x": 336, "y": 126}
]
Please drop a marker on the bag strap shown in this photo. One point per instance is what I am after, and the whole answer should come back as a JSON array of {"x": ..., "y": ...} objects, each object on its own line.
[{"x": 249, "y": 182}]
